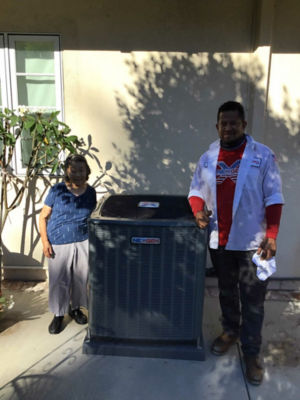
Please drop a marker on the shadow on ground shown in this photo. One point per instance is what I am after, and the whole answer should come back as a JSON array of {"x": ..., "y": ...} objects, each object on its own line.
[{"x": 30, "y": 302}]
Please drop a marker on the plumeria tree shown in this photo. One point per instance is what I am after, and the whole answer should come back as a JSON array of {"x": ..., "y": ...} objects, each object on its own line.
[{"x": 44, "y": 140}]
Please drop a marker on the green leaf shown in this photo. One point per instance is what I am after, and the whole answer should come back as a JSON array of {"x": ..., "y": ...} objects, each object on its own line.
[
  {"x": 54, "y": 168},
  {"x": 71, "y": 138},
  {"x": 14, "y": 120},
  {"x": 63, "y": 124},
  {"x": 29, "y": 123},
  {"x": 54, "y": 114},
  {"x": 46, "y": 124},
  {"x": 71, "y": 148},
  {"x": 39, "y": 128},
  {"x": 10, "y": 139}
]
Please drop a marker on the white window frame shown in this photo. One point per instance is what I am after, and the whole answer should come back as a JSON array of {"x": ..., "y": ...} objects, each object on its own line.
[
  {"x": 10, "y": 78},
  {"x": 3, "y": 74}
]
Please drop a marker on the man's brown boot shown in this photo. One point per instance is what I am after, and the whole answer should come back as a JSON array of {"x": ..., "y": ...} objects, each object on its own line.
[
  {"x": 222, "y": 343},
  {"x": 254, "y": 369}
]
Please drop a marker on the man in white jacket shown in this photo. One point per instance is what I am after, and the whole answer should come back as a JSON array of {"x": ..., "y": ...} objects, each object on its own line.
[{"x": 236, "y": 193}]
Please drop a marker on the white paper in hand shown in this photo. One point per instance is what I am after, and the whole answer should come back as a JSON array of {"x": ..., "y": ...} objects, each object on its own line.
[{"x": 265, "y": 268}]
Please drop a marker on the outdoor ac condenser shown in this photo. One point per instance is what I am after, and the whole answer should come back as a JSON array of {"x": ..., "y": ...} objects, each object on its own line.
[{"x": 147, "y": 261}]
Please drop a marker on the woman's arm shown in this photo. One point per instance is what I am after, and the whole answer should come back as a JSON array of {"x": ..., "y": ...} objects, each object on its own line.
[{"x": 43, "y": 219}]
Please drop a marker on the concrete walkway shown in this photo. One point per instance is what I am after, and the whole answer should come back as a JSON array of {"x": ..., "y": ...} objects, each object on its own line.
[{"x": 36, "y": 365}]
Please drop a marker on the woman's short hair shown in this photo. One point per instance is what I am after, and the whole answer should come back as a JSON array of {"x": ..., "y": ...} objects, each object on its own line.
[{"x": 74, "y": 158}]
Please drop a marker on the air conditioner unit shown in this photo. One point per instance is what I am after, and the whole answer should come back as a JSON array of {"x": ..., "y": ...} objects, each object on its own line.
[{"x": 146, "y": 281}]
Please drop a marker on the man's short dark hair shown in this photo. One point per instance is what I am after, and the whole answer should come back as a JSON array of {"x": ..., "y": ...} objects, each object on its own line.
[
  {"x": 232, "y": 106},
  {"x": 75, "y": 158}
]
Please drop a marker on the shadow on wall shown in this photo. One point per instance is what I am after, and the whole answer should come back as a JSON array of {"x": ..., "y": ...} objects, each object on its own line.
[
  {"x": 172, "y": 114},
  {"x": 102, "y": 182},
  {"x": 30, "y": 234},
  {"x": 283, "y": 136},
  {"x": 169, "y": 117}
]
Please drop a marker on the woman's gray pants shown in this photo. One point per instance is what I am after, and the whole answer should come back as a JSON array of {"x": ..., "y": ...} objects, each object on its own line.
[{"x": 68, "y": 274}]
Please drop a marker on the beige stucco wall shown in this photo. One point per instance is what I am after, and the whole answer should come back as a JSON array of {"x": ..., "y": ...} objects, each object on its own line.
[
  {"x": 168, "y": 25},
  {"x": 151, "y": 114},
  {"x": 156, "y": 145},
  {"x": 282, "y": 133},
  {"x": 142, "y": 85}
]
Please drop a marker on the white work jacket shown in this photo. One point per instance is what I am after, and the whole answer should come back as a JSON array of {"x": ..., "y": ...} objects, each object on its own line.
[{"x": 258, "y": 185}]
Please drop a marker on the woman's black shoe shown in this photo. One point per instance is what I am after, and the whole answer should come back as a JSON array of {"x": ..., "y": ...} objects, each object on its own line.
[
  {"x": 78, "y": 315},
  {"x": 56, "y": 325}
]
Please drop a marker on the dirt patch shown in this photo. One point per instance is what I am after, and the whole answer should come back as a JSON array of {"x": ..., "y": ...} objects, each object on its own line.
[{"x": 282, "y": 353}]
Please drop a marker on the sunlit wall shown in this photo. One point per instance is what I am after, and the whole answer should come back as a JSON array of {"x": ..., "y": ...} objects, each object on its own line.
[{"x": 143, "y": 87}]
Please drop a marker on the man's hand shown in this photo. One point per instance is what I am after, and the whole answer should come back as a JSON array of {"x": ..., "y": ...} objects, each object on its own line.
[
  {"x": 47, "y": 249},
  {"x": 267, "y": 248},
  {"x": 202, "y": 218}
]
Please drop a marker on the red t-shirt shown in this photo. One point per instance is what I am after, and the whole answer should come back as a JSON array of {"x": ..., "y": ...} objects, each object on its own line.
[{"x": 226, "y": 176}]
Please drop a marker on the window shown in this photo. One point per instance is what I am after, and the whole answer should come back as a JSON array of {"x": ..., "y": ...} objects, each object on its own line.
[
  {"x": 30, "y": 75},
  {"x": 3, "y": 91}
]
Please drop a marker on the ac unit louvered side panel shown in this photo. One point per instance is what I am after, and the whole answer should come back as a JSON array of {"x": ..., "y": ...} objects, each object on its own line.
[{"x": 146, "y": 291}]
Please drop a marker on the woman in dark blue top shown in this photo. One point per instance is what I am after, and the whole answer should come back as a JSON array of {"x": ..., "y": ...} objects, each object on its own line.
[{"x": 64, "y": 234}]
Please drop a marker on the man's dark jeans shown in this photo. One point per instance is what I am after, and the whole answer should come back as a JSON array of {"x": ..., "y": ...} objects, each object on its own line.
[{"x": 238, "y": 284}]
